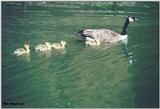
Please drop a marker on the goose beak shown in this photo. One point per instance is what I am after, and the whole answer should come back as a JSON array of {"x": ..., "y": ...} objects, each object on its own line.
[{"x": 136, "y": 19}]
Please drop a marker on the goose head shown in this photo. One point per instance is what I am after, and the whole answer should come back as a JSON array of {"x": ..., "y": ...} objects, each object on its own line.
[
  {"x": 125, "y": 27},
  {"x": 131, "y": 18}
]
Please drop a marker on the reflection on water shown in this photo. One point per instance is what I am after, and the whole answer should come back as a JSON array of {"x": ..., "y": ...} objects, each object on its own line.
[
  {"x": 128, "y": 53},
  {"x": 123, "y": 75},
  {"x": 48, "y": 54},
  {"x": 24, "y": 57}
]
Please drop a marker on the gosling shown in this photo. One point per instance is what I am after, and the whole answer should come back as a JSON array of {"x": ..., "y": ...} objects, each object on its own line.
[
  {"x": 43, "y": 47},
  {"x": 60, "y": 45},
  {"x": 92, "y": 42},
  {"x": 22, "y": 51}
]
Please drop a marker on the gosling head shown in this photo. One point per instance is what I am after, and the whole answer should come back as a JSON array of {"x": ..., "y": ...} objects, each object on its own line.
[
  {"x": 47, "y": 44},
  {"x": 63, "y": 43},
  {"x": 26, "y": 46},
  {"x": 131, "y": 18}
]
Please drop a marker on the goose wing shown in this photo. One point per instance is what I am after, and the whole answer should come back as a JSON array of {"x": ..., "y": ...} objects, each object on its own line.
[{"x": 104, "y": 35}]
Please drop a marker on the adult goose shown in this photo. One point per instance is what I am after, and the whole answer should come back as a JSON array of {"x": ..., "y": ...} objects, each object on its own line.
[{"x": 106, "y": 35}]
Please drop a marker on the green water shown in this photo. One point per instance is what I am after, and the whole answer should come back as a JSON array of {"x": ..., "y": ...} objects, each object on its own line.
[{"x": 79, "y": 76}]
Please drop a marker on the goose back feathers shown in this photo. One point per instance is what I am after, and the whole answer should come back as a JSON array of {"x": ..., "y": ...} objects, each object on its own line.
[
  {"x": 103, "y": 35},
  {"x": 106, "y": 35}
]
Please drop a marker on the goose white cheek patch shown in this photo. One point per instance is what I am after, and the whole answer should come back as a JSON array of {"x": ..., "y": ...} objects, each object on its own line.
[{"x": 131, "y": 20}]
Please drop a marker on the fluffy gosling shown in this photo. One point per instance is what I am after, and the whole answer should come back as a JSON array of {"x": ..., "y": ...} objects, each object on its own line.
[
  {"x": 60, "y": 45},
  {"x": 43, "y": 47},
  {"x": 92, "y": 42},
  {"x": 22, "y": 51}
]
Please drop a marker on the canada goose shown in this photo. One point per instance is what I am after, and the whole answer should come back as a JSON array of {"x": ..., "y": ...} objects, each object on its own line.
[
  {"x": 106, "y": 35},
  {"x": 60, "y": 45},
  {"x": 92, "y": 42},
  {"x": 22, "y": 51},
  {"x": 43, "y": 47}
]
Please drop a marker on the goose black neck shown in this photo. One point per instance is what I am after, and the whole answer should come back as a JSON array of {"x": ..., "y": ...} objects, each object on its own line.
[{"x": 125, "y": 28}]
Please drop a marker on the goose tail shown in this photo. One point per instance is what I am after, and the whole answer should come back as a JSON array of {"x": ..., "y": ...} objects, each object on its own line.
[
  {"x": 79, "y": 35},
  {"x": 79, "y": 32}
]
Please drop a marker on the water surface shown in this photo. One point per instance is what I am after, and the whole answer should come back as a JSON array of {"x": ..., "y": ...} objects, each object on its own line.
[{"x": 79, "y": 76}]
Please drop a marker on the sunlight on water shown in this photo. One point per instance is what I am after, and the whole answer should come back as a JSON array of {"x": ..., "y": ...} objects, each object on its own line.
[{"x": 79, "y": 76}]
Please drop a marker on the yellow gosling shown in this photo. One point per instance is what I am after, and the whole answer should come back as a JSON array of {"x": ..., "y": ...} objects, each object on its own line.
[
  {"x": 43, "y": 47},
  {"x": 22, "y": 51},
  {"x": 60, "y": 45},
  {"x": 92, "y": 43}
]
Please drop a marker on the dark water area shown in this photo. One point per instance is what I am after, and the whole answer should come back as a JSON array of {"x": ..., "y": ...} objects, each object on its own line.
[{"x": 79, "y": 76}]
